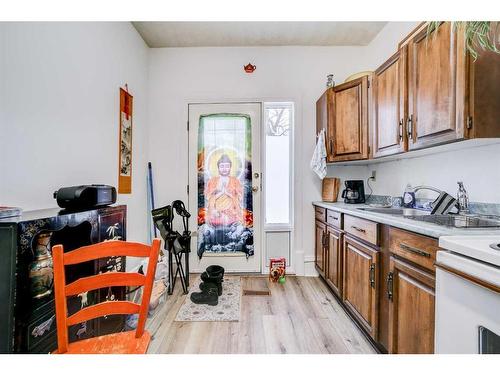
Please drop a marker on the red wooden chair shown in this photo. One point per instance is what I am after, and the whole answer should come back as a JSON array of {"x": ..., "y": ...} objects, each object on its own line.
[{"x": 116, "y": 343}]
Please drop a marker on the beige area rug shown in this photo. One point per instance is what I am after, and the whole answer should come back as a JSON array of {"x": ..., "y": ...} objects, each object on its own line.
[{"x": 227, "y": 310}]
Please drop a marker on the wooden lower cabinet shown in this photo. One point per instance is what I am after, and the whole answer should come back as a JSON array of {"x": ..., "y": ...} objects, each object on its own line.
[
  {"x": 360, "y": 284},
  {"x": 320, "y": 246},
  {"x": 411, "y": 309},
  {"x": 386, "y": 282},
  {"x": 334, "y": 259}
]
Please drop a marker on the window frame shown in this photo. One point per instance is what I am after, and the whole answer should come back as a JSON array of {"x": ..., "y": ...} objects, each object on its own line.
[{"x": 279, "y": 227}]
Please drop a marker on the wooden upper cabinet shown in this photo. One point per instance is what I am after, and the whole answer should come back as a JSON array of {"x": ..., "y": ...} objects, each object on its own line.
[
  {"x": 360, "y": 283},
  {"x": 411, "y": 310},
  {"x": 348, "y": 133},
  {"x": 388, "y": 121},
  {"x": 436, "y": 73},
  {"x": 430, "y": 92},
  {"x": 324, "y": 111}
]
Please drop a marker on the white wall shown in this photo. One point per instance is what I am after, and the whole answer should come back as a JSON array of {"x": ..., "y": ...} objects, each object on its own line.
[
  {"x": 477, "y": 167},
  {"x": 59, "y": 103},
  {"x": 182, "y": 75}
]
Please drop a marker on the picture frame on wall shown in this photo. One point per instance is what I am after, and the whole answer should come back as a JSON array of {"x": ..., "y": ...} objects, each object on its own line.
[{"x": 125, "y": 143}]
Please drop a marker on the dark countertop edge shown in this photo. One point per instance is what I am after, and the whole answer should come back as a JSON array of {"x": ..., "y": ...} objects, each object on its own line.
[{"x": 46, "y": 213}]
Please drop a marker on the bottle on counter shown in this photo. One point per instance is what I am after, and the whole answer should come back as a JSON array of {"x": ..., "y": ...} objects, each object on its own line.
[{"x": 409, "y": 197}]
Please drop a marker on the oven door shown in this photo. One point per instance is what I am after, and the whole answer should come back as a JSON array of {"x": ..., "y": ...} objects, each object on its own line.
[{"x": 467, "y": 306}]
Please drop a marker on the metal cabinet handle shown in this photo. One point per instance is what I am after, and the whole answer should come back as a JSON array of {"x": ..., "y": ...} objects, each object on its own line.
[
  {"x": 323, "y": 240},
  {"x": 331, "y": 146},
  {"x": 414, "y": 250},
  {"x": 358, "y": 229},
  {"x": 410, "y": 127},
  {"x": 401, "y": 129},
  {"x": 372, "y": 275},
  {"x": 390, "y": 285},
  {"x": 333, "y": 217}
]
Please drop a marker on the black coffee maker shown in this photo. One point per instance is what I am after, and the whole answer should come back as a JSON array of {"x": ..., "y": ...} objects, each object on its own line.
[{"x": 354, "y": 191}]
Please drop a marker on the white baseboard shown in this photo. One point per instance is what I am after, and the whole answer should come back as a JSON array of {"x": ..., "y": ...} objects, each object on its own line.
[{"x": 309, "y": 266}]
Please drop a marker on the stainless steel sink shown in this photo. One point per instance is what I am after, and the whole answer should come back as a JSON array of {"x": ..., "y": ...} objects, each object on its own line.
[
  {"x": 396, "y": 211},
  {"x": 460, "y": 221},
  {"x": 451, "y": 220}
]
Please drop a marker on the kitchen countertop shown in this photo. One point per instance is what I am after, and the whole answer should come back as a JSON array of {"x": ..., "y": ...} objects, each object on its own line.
[
  {"x": 427, "y": 229},
  {"x": 477, "y": 248}
]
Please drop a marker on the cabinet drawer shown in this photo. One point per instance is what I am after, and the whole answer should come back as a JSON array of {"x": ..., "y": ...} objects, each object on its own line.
[
  {"x": 320, "y": 213},
  {"x": 416, "y": 248},
  {"x": 334, "y": 218},
  {"x": 361, "y": 228}
]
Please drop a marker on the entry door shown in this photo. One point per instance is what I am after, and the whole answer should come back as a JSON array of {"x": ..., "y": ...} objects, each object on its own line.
[{"x": 225, "y": 186}]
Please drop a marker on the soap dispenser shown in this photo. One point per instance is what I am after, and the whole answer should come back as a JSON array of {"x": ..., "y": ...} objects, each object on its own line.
[
  {"x": 409, "y": 197},
  {"x": 462, "y": 199}
]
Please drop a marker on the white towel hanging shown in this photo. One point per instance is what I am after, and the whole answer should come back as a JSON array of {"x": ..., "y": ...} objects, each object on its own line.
[{"x": 318, "y": 161}]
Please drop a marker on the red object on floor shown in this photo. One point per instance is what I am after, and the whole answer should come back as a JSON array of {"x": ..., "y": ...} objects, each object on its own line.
[
  {"x": 277, "y": 269},
  {"x": 131, "y": 342}
]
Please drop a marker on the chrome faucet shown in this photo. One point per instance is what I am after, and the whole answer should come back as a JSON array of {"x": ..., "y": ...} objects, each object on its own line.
[
  {"x": 423, "y": 187},
  {"x": 462, "y": 199}
]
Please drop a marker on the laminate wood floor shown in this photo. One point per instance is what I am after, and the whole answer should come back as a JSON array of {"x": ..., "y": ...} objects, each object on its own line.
[{"x": 299, "y": 317}]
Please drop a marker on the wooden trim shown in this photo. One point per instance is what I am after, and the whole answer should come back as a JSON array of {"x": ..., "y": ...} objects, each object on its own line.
[
  {"x": 410, "y": 35},
  {"x": 388, "y": 62},
  {"x": 107, "y": 249},
  {"x": 101, "y": 309},
  {"x": 104, "y": 280},
  {"x": 472, "y": 279}
]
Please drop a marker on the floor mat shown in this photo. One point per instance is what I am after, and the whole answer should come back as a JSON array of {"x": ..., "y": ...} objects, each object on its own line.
[{"x": 227, "y": 310}]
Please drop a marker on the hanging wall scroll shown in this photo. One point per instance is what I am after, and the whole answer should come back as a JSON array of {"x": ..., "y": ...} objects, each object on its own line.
[{"x": 125, "y": 153}]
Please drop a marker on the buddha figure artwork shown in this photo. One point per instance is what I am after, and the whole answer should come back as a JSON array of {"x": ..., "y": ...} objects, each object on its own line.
[{"x": 225, "y": 218}]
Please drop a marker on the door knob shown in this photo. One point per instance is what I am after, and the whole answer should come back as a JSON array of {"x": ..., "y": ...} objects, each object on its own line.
[
  {"x": 255, "y": 189},
  {"x": 256, "y": 175}
]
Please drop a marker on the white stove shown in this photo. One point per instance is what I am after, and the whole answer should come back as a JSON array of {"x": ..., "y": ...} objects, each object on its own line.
[{"x": 468, "y": 295}]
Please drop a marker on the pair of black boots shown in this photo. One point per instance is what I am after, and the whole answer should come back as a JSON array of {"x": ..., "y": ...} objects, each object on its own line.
[{"x": 211, "y": 287}]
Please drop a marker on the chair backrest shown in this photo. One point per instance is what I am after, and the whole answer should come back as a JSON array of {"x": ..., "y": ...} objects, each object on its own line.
[{"x": 104, "y": 280}]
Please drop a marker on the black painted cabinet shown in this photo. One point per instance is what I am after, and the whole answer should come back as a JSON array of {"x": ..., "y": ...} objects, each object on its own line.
[{"x": 27, "y": 314}]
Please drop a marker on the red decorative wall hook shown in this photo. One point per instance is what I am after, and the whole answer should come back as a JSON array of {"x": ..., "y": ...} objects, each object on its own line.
[{"x": 249, "y": 68}]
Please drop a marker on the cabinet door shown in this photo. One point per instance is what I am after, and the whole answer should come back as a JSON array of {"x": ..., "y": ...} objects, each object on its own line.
[
  {"x": 112, "y": 226},
  {"x": 324, "y": 112},
  {"x": 389, "y": 99},
  {"x": 360, "y": 288},
  {"x": 349, "y": 130},
  {"x": 411, "y": 310},
  {"x": 435, "y": 71},
  {"x": 334, "y": 251},
  {"x": 320, "y": 247}
]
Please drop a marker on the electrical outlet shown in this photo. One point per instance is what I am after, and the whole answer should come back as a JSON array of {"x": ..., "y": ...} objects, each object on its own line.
[{"x": 374, "y": 175}]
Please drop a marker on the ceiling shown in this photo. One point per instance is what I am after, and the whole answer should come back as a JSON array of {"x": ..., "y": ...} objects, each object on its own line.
[{"x": 232, "y": 34}]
